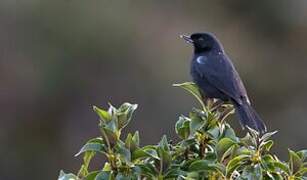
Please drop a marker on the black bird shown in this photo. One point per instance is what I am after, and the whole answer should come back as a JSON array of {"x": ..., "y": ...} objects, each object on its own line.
[{"x": 214, "y": 73}]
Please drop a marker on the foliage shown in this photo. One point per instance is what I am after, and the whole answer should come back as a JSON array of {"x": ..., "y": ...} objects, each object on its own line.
[{"x": 208, "y": 149}]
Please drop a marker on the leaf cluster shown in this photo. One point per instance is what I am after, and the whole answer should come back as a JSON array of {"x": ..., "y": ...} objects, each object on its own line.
[{"x": 208, "y": 149}]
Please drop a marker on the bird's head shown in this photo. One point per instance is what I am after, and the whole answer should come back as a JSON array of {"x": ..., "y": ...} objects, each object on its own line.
[{"x": 203, "y": 42}]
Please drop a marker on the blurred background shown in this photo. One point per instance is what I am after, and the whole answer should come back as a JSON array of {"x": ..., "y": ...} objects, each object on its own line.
[{"x": 60, "y": 57}]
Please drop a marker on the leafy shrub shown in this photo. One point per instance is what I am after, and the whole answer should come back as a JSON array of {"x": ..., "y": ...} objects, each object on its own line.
[{"x": 208, "y": 149}]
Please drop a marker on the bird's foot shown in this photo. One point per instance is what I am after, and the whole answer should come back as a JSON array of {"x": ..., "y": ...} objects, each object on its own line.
[
  {"x": 208, "y": 101},
  {"x": 216, "y": 104},
  {"x": 226, "y": 112}
]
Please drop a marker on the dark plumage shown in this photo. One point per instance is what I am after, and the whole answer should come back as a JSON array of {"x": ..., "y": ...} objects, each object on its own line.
[{"x": 216, "y": 76}]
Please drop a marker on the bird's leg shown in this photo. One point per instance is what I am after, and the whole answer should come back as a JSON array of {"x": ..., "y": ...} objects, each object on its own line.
[
  {"x": 226, "y": 112},
  {"x": 218, "y": 103},
  {"x": 207, "y": 101},
  {"x": 224, "y": 109}
]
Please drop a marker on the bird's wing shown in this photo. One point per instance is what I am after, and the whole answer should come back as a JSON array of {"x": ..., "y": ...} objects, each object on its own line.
[{"x": 220, "y": 73}]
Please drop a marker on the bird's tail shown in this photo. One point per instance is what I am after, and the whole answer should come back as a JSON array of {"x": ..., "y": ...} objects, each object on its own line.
[{"x": 249, "y": 117}]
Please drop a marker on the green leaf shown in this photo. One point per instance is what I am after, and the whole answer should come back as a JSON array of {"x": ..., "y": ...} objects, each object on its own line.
[
  {"x": 132, "y": 142},
  {"x": 223, "y": 145},
  {"x": 188, "y": 142},
  {"x": 136, "y": 139},
  {"x": 64, "y": 176},
  {"x": 174, "y": 173},
  {"x": 164, "y": 153},
  {"x": 302, "y": 154},
  {"x": 211, "y": 155},
  {"x": 110, "y": 132},
  {"x": 148, "y": 170},
  {"x": 302, "y": 171},
  {"x": 238, "y": 150},
  {"x": 205, "y": 165},
  {"x": 128, "y": 141},
  {"x": 249, "y": 141},
  {"x": 104, "y": 115},
  {"x": 214, "y": 132},
  {"x": 267, "y": 136},
  {"x": 136, "y": 172},
  {"x": 295, "y": 161},
  {"x": 92, "y": 175},
  {"x": 252, "y": 172},
  {"x": 191, "y": 176},
  {"x": 183, "y": 127},
  {"x": 228, "y": 154},
  {"x": 254, "y": 133},
  {"x": 274, "y": 176},
  {"x": 196, "y": 122},
  {"x": 266, "y": 145},
  {"x": 124, "y": 153},
  {"x": 201, "y": 165},
  {"x": 111, "y": 126},
  {"x": 103, "y": 175},
  {"x": 139, "y": 154},
  {"x": 230, "y": 133},
  {"x": 164, "y": 144},
  {"x": 124, "y": 114},
  {"x": 199, "y": 113},
  {"x": 282, "y": 166},
  {"x": 145, "y": 152},
  {"x": 87, "y": 157},
  {"x": 212, "y": 120},
  {"x": 112, "y": 110},
  {"x": 235, "y": 163},
  {"x": 267, "y": 161},
  {"x": 194, "y": 90},
  {"x": 95, "y": 145},
  {"x": 107, "y": 167},
  {"x": 121, "y": 176}
]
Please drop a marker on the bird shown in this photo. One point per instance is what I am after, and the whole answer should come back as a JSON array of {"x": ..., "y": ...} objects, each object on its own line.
[{"x": 215, "y": 75}]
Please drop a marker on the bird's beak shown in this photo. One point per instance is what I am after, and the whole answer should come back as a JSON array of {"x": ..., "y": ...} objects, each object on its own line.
[{"x": 187, "y": 38}]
